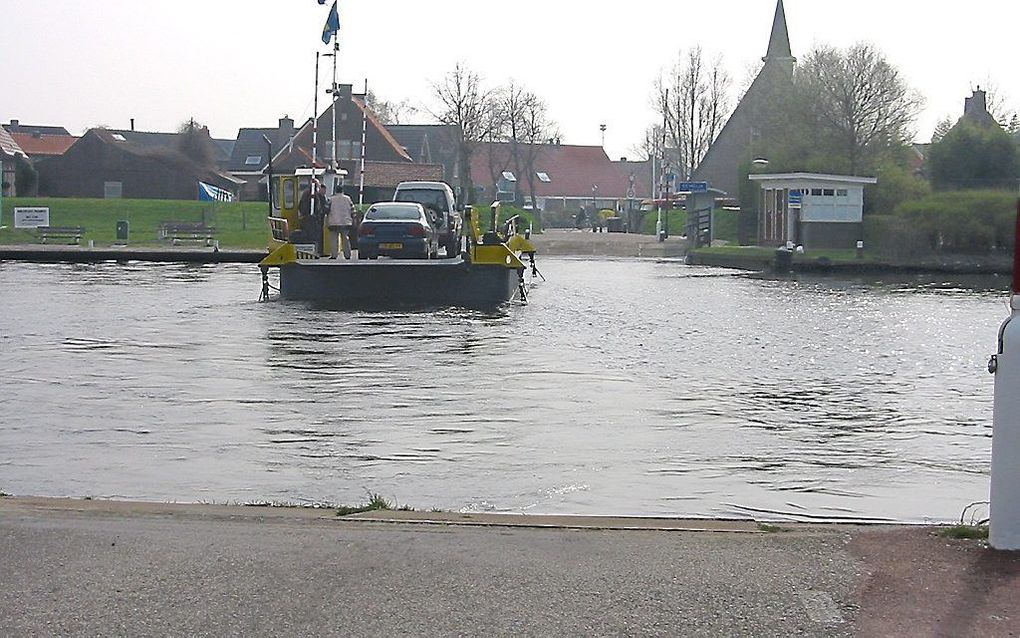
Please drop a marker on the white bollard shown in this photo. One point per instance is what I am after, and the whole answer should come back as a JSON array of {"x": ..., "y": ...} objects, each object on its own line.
[
  {"x": 1005, "y": 494},
  {"x": 1005, "y": 491}
]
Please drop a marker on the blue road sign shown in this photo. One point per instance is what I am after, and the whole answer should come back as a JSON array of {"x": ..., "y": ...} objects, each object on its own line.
[
  {"x": 692, "y": 187},
  {"x": 795, "y": 198}
]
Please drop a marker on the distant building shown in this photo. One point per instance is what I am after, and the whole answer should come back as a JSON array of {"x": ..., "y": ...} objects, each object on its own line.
[
  {"x": 40, "y": 147},
  {"x": 432, "y": 144},
  {"x": 810, "y": 209},
  {"x": 566, "y": 177},
  {"x": 219, "y": 149},
  {"x": 721, "y": 166},
  {"x": 39, "y": 143},
  {"x": 975, "y": 110},
  {"x": 106, "y": 164},
  {"x": 249, "y": 156},
  {"x": 387, "y": 162},
  {"x": 10, "y": 154}
]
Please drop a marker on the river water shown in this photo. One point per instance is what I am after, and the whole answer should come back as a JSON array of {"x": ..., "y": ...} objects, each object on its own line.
[{"x": 625, "y": 387}]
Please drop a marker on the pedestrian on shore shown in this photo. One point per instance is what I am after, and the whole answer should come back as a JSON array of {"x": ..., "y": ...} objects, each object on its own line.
[
  {"x": 581, "y": 220},
  {"x": 339, "y": 221}
]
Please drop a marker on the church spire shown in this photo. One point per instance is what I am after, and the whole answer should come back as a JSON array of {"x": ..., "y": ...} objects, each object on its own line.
[{"x": 779, "y": 43}]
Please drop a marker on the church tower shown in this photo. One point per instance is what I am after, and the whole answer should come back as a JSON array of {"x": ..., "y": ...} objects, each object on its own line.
[{"x": 721, "y": 164}]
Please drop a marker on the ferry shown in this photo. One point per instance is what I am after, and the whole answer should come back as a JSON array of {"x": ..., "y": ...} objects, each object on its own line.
[{"x": 493, "y": 267}]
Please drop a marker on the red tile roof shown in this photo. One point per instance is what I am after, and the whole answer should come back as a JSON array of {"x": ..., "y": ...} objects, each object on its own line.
[
  {"x": 389, "y": 174},
  {"x": 44, "y": 145},
  {"x": 572, "y": 170}
]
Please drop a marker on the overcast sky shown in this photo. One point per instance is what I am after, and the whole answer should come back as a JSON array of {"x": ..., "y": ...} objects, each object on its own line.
[{"x": 233, "y": 63}]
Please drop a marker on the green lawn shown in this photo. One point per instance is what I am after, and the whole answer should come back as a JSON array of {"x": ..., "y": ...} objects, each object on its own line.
[{"x": 238, "y": 225}]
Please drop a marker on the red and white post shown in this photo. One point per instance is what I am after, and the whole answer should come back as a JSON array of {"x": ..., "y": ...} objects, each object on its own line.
[{"x": 1005, "y": 491}]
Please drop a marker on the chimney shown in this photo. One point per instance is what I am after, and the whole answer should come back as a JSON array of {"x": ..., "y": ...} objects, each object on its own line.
[
  {"x": 346, "y": 90},
  {"x": 286, "y": 126},
  {"x": 15, "y": 123},
  {"x": 976, "y": 104},
  {"x": 132, "y": 124}
]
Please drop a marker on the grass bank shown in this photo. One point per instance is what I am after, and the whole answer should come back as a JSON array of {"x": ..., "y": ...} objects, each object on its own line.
[{"x": 238, "y": 225}]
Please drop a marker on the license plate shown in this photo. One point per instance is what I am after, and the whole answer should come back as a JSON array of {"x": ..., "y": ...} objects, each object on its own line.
[{"x": 391, "y": 246}]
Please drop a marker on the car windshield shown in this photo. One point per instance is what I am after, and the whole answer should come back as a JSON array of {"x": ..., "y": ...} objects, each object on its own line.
[
  {"x": 401, "y": 213},
  {"x": 430, "y": 198}
]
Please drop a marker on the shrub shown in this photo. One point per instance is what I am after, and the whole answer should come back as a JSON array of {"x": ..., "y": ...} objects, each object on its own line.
[{"x": 971, "y": 222}]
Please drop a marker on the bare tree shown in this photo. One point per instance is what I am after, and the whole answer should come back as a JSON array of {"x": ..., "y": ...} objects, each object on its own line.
[
  {"x": 859, "y": 99},
  {"x": 520, "y": 119},
  {"x": 534, "y": 132},
  {"x": 693, "y": 100},
  {"x": 194, "y": 142},
  {"x": 390, "y": 112},
  {"x": 942, "y": 127},
  {"x": 997, "y": 103},
  {"x": 465, "y": 105}
]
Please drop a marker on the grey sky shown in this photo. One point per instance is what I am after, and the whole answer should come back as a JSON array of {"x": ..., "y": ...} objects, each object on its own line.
[{"x": 232, "y": 63}]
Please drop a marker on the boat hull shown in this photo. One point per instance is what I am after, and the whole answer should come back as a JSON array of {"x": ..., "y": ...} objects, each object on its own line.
[{"x": 363, "y": 283}]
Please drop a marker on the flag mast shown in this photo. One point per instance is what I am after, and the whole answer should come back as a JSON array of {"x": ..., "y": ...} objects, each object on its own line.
[
  {"x": 336, "y": 54},
  {"x": 364, "y": 136},
  {"x": 315, "y": 129}
]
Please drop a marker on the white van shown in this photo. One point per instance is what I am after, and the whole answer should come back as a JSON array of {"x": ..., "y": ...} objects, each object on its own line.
[{"x": 438, "y": 200}]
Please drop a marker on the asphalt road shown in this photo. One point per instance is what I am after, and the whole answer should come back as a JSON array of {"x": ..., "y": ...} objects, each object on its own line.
[{"x": 238, "y": 572}]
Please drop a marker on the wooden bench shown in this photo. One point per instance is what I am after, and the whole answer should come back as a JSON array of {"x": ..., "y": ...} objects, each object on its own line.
[
  {"x": 177, "y": 232},
  {"x": 72, "y": 234}
]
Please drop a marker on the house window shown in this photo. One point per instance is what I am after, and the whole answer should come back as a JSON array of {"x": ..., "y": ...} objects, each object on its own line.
[
  {"x": 816, "y": 192},
  {"x": 509, "y": 176},
  {"x": 118, "y": 137},
  {"x": 348, "y": 150},
  {"x": 841, "y": 192},
  {"x": 828, "y": 192},
  {"x": 543, "y": 177},
  {"x": 113, "y": 190},
  {"x": 253, "y": 160}
]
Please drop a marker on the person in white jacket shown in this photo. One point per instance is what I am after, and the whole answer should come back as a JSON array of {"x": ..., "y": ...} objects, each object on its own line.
[{"x": 339, "y": 220}]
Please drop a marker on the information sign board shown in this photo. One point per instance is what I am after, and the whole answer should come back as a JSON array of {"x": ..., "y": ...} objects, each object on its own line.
[
  {"x": 31, "y": 217},
  {"x": 692, "y": 187}
]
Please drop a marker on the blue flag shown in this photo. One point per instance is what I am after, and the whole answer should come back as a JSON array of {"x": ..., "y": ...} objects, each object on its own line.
[{"x": 332, "y": 25}]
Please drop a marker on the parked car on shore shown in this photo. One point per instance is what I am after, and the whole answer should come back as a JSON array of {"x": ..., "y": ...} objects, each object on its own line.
[{"x": 397, "y": 229}]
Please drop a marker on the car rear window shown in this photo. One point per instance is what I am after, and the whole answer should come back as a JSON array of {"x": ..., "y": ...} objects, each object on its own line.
[
  {"x": 430, "y": 198},
  {"x": 403, "y": 213}
]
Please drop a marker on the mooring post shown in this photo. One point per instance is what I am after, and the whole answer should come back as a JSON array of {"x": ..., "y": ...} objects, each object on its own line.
[{"x": 1005, "y": 364}]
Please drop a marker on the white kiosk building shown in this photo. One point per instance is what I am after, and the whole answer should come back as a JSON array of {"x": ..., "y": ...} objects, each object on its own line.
[{"x": 810, "y": 209}]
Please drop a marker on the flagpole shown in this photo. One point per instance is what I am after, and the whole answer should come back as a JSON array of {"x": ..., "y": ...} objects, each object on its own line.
[
  {"x": 336, "y": 54},
  {"x": 315, "y": 130},
  {"x": 364, "y": 136}
]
